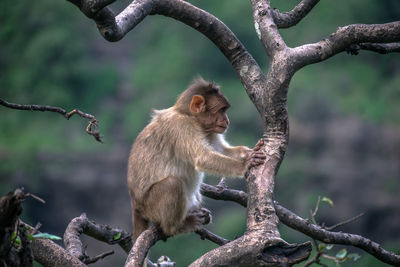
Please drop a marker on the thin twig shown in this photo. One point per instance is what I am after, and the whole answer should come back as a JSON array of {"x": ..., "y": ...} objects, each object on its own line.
[
  {"x": 206, "y": 234},
  {"x": 35, "y": 197},
  {"x": 313, "y": 213},
  {"x": 91, "y": 129},
  {"x": 98, "y": 257},
  {"x": 345, "y": 222}
]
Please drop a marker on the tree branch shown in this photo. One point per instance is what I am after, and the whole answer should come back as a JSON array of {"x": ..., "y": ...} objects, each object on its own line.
[
  {"x": 91, "y": 129},
  {"x": 317, "y": 232},
  {"x": 266, "y": 29},
  {"x": 82, "y": 225},
  {"x": 206, "y": 234},
  {"x": 223, "y": 193},
  {"x": 343, "y": 38},
  {"x": 374, "y": 47},
  {"x": 291, "y": 18},
  {"x": 143, "y": 243},
  {"x": 306, "y": 227},
  {"x": 49, "y": 254},
  {"x": 10, "y": 209}
]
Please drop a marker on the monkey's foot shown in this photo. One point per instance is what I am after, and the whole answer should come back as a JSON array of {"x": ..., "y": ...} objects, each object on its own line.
[{"x": 203, "y": 216}]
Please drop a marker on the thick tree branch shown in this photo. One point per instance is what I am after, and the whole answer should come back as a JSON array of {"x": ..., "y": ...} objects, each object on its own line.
[
  {"x": 291, "y": 18},
  {"x": 266, "y": 29},
  {"x": 91, "y": 129},
  {"x": 343, "y": 38},
  {"x": 143, "y": 243},
  {"x": 49, "y": 254}
]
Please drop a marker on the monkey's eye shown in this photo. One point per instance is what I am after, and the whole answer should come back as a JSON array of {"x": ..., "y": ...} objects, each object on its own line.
[{"x": 224, "y": 109}]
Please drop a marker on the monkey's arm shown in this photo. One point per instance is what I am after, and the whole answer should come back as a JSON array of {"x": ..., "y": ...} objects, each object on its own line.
[
  {"x": 213, "y": 162},
  {"x": 237, "y": 152}
]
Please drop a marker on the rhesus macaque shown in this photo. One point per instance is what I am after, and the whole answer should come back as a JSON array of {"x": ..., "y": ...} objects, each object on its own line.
[{"x": 169, "y": 156}]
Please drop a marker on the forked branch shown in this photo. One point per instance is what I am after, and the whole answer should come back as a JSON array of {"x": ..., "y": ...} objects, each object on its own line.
[{"x": 82, "y": 225}]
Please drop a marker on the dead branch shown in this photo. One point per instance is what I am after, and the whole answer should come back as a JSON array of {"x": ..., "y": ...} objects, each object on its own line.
[
  {"x": 82, "y": 225},
  {"x": 291, "y": 18},
  {"x": 10, "y": 209},
  {"x": 91, "y": 129}
]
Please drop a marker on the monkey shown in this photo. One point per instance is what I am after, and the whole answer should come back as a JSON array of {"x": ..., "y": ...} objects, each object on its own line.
[{"x": 168, "y": 159}]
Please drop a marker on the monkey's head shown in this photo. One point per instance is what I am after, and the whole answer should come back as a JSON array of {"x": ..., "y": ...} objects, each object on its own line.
[{"x": 205, "y": 102}]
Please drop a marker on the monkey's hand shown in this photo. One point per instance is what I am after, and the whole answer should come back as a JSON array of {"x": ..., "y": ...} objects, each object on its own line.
[{"x": 256, "y": 156}]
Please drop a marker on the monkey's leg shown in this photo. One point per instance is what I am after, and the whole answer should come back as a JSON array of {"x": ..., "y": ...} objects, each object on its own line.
[
  {"x": 139, "y": 224},
  {"x": 166, "y": 204}
]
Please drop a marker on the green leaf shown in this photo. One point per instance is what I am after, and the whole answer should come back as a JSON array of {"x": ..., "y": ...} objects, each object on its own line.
[
  {"x": 321, "y": 246},
  {"x": 328, "y": 200},
  {"x": 47, "y": 236},
  {"x": 329, "y": 247},
  {"x": 354, "y": 256},
  {"x": 117, "y": 236},
  {"x": 18, "y": 240},
  {"x": 341, "y": 254}
]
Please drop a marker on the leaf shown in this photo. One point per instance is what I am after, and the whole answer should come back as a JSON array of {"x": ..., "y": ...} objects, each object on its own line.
[
  {"x": 329, "y": 247},
  {"x": 18, "y": 241},
  {"x": 47, "y": 236},
  {"x": 341, "y": 254},
  {"x": 354, "y": 256},
  {"x": 117, "y": 236},
  {"x": 328, "y": 200},
  {"x": 13, "y": 236},
  {"x": 321, "y": 246}
]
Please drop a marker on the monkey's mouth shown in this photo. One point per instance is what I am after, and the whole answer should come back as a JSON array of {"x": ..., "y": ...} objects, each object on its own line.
[{"x": 221, "y": 128}]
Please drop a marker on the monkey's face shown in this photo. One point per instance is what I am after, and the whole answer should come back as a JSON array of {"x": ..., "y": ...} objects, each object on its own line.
[{"x": 214, "y": 118}]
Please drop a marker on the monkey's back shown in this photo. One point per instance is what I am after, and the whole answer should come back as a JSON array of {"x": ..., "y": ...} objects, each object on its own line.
[{"x": 159, "y": 151}]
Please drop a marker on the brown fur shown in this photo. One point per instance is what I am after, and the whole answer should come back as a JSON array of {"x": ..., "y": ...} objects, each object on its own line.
[{"x": 168, "y": 157}]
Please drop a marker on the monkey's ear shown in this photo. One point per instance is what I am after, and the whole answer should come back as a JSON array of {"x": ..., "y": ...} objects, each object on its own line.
[{"x": 198, "y": 104}]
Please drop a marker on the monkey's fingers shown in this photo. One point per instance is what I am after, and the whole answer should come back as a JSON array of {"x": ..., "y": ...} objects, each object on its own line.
[
  {"x": 259, "y": 144},
  {"x": 256, "y": 162}
]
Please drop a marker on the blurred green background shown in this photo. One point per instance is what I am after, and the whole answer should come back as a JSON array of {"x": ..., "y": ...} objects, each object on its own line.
[{"x": 344, "y": 114}]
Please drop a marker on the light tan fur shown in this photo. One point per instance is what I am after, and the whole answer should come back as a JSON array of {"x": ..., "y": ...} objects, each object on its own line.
[{"x": 166, "y": 166}]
